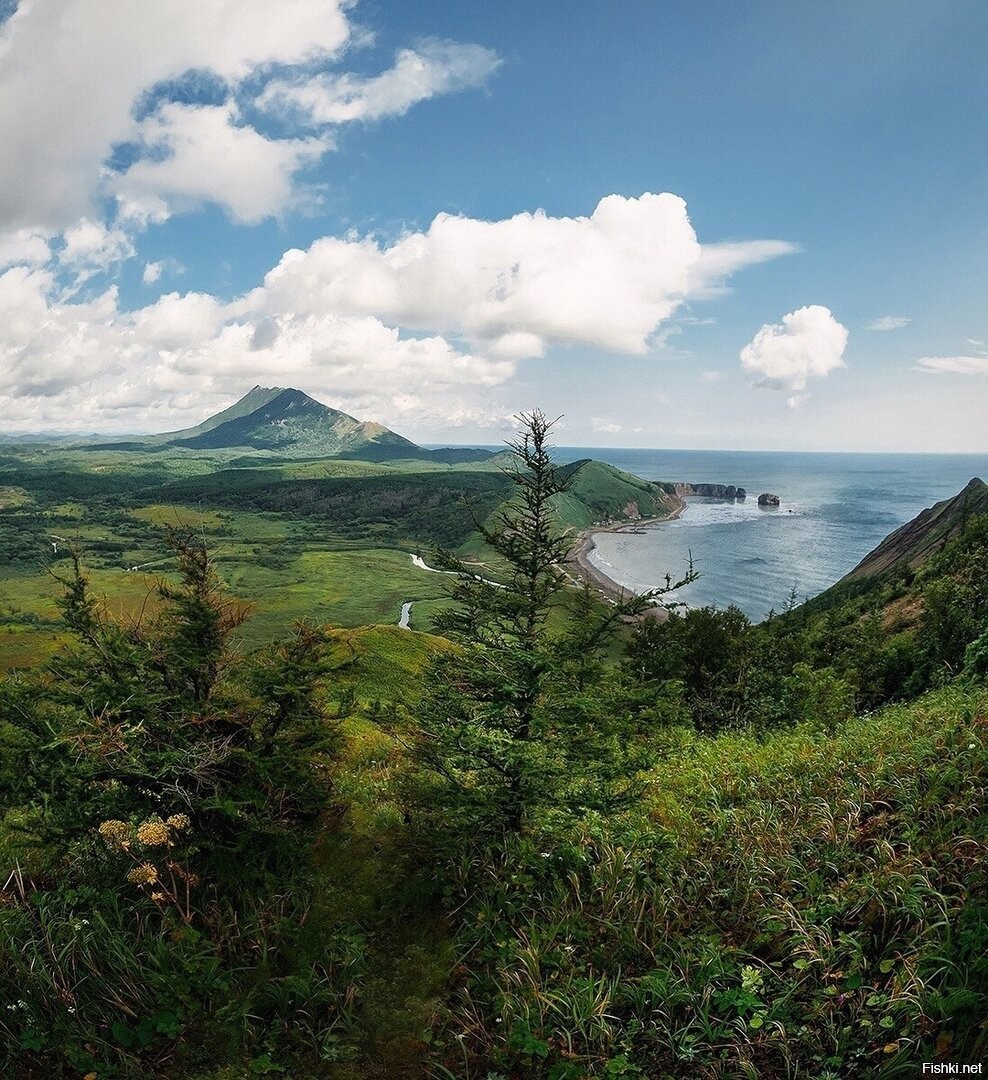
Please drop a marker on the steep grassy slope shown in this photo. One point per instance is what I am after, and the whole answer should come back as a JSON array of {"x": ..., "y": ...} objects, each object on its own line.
[
  {"x": 893, "y": 577},
  {"x": 809, "y": 904},
  {"x": 919, "y": 539},
  {"x": 380, "y": 663},
  {"x": 599, "y": 492},
  {"x": 902, "y": 622}
]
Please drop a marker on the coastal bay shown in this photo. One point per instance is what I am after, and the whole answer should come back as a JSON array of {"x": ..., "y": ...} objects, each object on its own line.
[
  {"x": 581, "y": 555},
  {"x": 834, "y": 509}
]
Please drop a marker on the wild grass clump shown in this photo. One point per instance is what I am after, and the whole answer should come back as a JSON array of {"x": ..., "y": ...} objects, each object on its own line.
[{"x": 806, "y": 904}]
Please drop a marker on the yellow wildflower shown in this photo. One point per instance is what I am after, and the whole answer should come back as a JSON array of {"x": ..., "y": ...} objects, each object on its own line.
[
  {"x": 115, "y": 833},
  {"x": 145, "y": 874},
  {"x": 153, "y": 833},
  {"x": 178, "y": 821}
]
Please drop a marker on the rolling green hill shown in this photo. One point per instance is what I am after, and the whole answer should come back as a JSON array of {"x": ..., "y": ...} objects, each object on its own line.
[
  {"x": 436, "y": 506},
  {"x": 599, "y": 492}
]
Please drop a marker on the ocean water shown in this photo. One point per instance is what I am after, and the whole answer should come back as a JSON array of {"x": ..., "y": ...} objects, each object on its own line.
[{"x": 835, "y": 509}]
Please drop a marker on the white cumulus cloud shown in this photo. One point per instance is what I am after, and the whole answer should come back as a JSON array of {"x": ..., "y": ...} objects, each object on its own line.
[
  {"x": 808, "y": 344},
  {"x": 48, "y": 348},
  {"x": 954, "y": 365},
  {"x": 24, "y": 247},
  {"x": 515, "y": 286},
  {"x": 66, "y": 365},
  {"x": 72, "y": 72},
  {"x": 77, "y": 80},
  {"x": 91, "y": 247},
  {"x": 204, "y": 155},
  {"x": 437, "y": 321}
]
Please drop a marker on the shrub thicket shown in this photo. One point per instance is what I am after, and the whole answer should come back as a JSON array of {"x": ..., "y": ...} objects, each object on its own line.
[{"x": 162, "y": 797}]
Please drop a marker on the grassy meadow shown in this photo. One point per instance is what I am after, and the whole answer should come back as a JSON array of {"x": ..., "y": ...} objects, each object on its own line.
[
  {"x": 287, "y": 565},
  {"x": 327, "y": 541}
]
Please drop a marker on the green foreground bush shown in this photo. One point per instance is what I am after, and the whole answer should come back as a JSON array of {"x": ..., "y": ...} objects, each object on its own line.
[{"x": 161, "y": 802}]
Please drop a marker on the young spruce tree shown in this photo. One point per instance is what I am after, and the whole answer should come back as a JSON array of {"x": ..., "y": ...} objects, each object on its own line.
[{"x": 504, "y": 721}]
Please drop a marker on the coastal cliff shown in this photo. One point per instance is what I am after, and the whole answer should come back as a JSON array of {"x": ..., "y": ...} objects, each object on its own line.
[
  {"x": 711, "y": 491},
  {"x": 926, "y": 534}
]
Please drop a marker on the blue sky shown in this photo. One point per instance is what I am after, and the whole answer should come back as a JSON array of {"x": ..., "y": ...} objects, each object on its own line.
[{"x": 217, "y": 195}]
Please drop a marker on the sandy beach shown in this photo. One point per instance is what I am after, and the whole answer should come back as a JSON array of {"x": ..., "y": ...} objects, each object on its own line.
[{"x": 579, "y": 555}]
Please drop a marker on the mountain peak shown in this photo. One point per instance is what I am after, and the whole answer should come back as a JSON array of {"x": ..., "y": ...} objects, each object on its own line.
[{"x": 287, "y": 419}]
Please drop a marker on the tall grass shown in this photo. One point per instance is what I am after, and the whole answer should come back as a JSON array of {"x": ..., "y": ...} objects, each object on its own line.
[{"x": 805, "y": 905}]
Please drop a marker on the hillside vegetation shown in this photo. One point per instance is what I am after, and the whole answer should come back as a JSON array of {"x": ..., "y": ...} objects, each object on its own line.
[
  {"x": 598, "y": 492},
  {"x": 536, "y": 845},
  {"x": 327, "y": 539},
  {"x": 909, "y": 547}
]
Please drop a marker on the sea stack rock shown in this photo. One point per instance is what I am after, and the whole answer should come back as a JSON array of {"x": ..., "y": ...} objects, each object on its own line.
[
  {"x": 768, "y": 499},
  {"x": 740, "y": 494}
]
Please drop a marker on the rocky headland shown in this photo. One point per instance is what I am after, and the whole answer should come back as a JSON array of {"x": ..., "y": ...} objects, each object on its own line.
[
  {"x": 911, "y": 545},
  {"x": 712, "y": 491}
]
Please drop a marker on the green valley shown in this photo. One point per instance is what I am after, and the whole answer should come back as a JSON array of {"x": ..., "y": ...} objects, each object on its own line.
[{"x": 295, "y": 534}]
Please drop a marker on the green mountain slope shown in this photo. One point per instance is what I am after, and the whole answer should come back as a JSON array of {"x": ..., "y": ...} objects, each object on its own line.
[
  {"x": 926, "y": 534},
  {"x": 599, "y": 492},
  {"x": 904, "y": 619},
  {"x": 287, "y": 422},
  {"x": 291, "y": 420},
  {"x": 596, "y": 492},
  {"x": 255, "y": 398}
]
